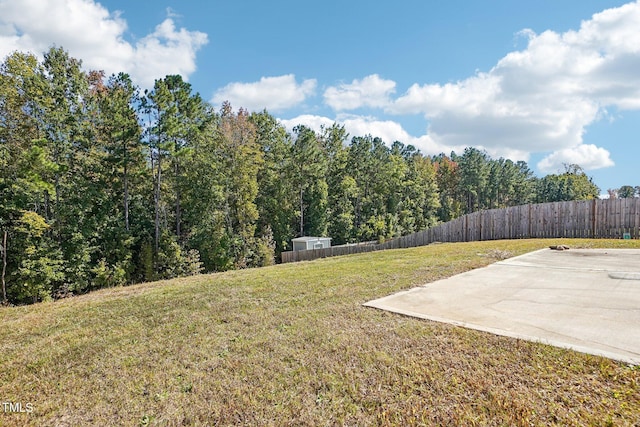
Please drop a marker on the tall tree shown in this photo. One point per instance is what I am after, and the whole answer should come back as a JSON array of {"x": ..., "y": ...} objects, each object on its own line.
[
  {"x": 524, "y": 185},
  {"x": 66, "y": 90},
  {"x": 626, "y": 191},
  {"x": 176, "y": 119},
  {"x": 421, "y": 191},
  {"x": 236, "y": 136},
  {"x": 474, "y": 174},
  {"x": 25, "y": 169},
  {"x": 341, "y": 187},
  {"x": 276, "y": 200},
  {"x": 32, "y": 266},
  {"x": 448, "y": 184},
  {"x": 401, "y": 209},
  {"x": 573, "y": 184},
  {"x": 119, "y": 168},
  {"x": 121, "y": 131},
  {"x": 67, "y": 131},
  {"x": 308, "y": 177},
  {"x": 370, "y": 165}
]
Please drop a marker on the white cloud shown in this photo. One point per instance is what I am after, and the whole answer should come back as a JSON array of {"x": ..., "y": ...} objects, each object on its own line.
[
  {"x": 95, "y": 35},
  {"x": 388, "y": 130},
  {"x": 309, "y": 120},
  {"x": 539, "y": 99},
  {"x": 468, "y": 98},
  {"x": 371, "y": 91},
  {"x": 273, "y": 93},
  {"x": 169, "y": 50},
  {"x": 586, "y": 155},
  {"x": 543, "y": 97}
]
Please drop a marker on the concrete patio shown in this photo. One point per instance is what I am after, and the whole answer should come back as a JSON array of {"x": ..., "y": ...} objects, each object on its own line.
[{"x": 587, "y": 300}]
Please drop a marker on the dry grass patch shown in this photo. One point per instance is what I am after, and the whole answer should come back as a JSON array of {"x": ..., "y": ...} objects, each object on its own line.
[{"x": 292, "y": 345}]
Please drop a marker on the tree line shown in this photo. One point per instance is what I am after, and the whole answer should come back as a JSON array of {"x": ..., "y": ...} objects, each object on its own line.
[
  {"x": 624, "y": 192},
  {"x": 102, "y": 185}
]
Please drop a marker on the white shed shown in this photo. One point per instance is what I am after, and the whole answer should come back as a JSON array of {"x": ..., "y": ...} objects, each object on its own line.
[{"x": 308, "y": 242}]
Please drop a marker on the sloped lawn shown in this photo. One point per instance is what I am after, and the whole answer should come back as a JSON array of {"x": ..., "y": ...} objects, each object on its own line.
[{"x": 292, "y": 345}]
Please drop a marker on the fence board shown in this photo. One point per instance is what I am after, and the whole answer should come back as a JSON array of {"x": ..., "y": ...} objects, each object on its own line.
[{"x": 584, "y": 219}]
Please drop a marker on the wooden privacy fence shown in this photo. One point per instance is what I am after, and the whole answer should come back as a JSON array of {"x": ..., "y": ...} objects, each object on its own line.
[{"x": 610, "y": 218}]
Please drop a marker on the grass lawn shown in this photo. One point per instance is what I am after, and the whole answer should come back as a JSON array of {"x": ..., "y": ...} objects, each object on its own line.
[{"x": 292, "y": 345}]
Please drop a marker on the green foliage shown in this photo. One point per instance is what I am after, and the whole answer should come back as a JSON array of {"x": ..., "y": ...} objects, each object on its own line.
[
  {"x": 102, "y": 186},
  {"x": 627, "y": 191},
  {"x": 106, "y": 276},
  {"x": 144, "y": 265},
  {"x": 308, "y": 175},
  {"x": 474, "y": 178},
  {"x": 374, "y": 229},
  {"x": 37, "y": 266},
  {"x": 276, "y": 198},
  {"x": 342, "y": 213},
  {"x": 448, "y": 183},
  {"x": 241, "y": 161},
  {"x": 573, "y": 184},
  {"x": 169, "y": 261},
  {"x": 191, "y": 264}
]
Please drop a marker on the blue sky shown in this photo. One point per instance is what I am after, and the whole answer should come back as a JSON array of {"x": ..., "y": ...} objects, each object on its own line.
[{"x": 543, "y": 81}]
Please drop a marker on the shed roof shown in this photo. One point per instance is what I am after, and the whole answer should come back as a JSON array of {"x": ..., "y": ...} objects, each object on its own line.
[{"x": 308, "y": 238}]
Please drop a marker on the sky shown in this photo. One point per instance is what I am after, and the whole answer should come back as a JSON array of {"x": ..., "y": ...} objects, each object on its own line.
[{"x": 547, "y": 82}]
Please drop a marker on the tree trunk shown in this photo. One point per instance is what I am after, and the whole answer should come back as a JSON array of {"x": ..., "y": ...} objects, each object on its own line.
[
  {"x": 178, "y": 210},
  {"x": 47, "y": 213},
  {"x": 125, "y": 179},
  {"x": 301, "y": 211},
  {"x": 4, "y": 267},
  {"x": 157, "y": 205},
  {"x": 56, "y": 210},
  {"x": 126, "y": 202}
]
